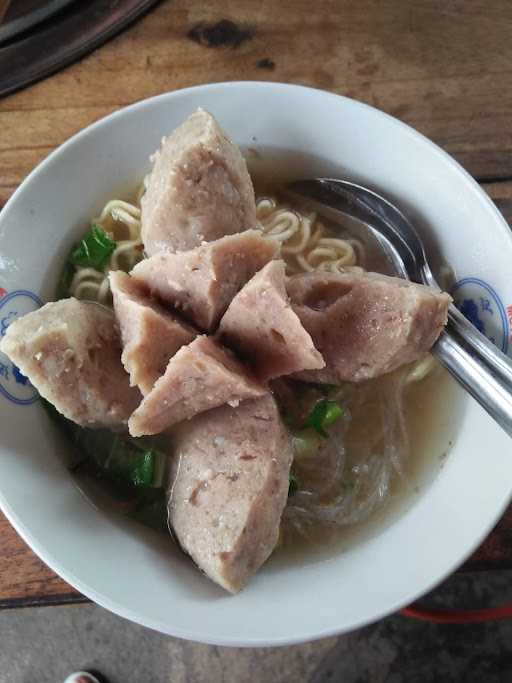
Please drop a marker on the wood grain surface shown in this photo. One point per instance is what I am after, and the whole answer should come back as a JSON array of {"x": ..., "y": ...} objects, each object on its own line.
[{"x": 443, "y": 66}]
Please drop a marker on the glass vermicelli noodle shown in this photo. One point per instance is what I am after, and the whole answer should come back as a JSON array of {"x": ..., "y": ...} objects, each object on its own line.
[{"x": 350, "y": 475}]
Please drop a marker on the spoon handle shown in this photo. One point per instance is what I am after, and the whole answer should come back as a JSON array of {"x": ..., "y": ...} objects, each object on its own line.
[{"x": 482, "y": 369}]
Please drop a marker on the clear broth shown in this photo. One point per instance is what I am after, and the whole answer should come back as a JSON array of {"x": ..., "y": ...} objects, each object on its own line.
[{"x": 431, "y": 430}]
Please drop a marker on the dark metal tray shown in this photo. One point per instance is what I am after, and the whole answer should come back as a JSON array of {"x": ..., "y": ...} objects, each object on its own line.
[{"x": 41, "y": 44}]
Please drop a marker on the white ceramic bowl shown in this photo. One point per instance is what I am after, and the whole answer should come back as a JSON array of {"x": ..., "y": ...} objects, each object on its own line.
[{"x": 137, "y": 573}]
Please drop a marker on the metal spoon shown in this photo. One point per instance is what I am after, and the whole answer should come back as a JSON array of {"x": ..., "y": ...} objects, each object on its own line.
[{"x": 482, "y": 369}]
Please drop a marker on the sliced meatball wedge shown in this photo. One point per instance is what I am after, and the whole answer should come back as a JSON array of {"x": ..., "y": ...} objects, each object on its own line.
[
  {"x": 201, "y": 283},
  {"x": 151, "y": 335},
  {"x": 263, "y": 328},
  {"x": 367, "y": 324},
  {"x": 229, "y": 490},
  {"x": 199, "y": 188},
  {"x": 71, "y": 352},
  {"x": 201, "y": 376}
]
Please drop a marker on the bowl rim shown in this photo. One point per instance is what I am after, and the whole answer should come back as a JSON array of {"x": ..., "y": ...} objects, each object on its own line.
[{"x": 149, "y": 101}]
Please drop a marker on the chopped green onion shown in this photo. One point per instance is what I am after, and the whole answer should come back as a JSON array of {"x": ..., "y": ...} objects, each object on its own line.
[
  {"x": 94, "y": 250},
  {"x": 131, "y": 464},
  {"x": 293, "y": 485},
  {"x": 143, "y": 471},
  {"x": 324, "y": 414}
]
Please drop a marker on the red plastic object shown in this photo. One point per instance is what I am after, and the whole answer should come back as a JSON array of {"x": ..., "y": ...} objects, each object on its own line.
[{"x": 442, "y": 616}]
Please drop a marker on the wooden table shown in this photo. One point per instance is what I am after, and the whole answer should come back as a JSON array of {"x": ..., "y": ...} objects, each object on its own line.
[{"x": 443, "y": 66}]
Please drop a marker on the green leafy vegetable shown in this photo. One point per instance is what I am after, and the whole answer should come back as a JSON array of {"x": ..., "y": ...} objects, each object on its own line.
[
  {"x": 324, "y": 414},
  {"x": 129, "y": 463},
  {"x": 121, "y": 459},
  {"x": 143, "y": 471},
  {"x": 293, "y": 485},
  {"x": 94, "y": 250},
  {"x": 130, "y": 470}
]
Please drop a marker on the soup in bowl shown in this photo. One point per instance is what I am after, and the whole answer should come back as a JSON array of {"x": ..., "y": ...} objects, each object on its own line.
[{"x": 388, "y": 490}]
